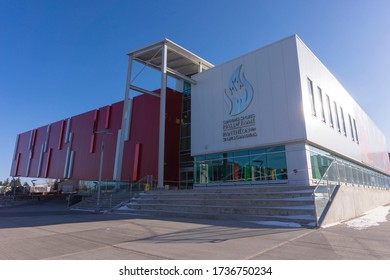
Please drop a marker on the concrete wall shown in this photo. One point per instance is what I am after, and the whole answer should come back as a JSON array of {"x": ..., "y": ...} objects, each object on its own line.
[{"x": 351, "y": 202}]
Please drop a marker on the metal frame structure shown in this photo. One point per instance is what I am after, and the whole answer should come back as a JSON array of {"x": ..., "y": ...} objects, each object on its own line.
[{"x": 171, "y": 60}]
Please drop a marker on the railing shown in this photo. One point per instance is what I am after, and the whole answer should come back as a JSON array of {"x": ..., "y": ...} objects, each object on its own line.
[
  {"x": 325, "y": 190},
  {"x": 147, "y": 183},
  {"x": 111, "y": 194}
]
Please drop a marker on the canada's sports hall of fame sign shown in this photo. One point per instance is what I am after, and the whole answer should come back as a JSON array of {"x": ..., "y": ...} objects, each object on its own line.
[{"x": 238, "y": 98}]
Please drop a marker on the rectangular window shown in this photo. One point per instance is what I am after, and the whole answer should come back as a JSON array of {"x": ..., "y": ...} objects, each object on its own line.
[
  {"x": 356, "y": 133},
  {"x": 337, "y": 116},
  {"x": 330, "y": 111},
  {"x": 343, "y": 121},
  {"x": 322, "y": 105},
  {"x": 350, "y": 125},
  {"x": 242, "y": 166},
  {"x": 311, "y": 96}
]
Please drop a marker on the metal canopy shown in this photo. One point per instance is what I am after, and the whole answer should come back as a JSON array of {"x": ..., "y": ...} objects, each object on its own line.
[
  {"x": 181, "y": 63},
  {"x": 170, "y": 59}
]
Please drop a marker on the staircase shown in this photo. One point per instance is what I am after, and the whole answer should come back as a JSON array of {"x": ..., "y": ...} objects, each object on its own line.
[
  {"x": 108, "y": 200},
  {"x": 265, "y": 205}
]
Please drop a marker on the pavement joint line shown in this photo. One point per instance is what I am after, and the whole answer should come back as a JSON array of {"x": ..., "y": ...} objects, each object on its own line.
[
  {"x": 279, "y": 245},
  {"x": 108, "y": 246},
  {"x": 141, "y": 253}
]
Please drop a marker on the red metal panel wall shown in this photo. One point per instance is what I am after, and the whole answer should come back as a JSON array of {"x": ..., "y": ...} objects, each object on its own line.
[
  {"x": 172, "y": 136},
  {"x": 85, "y": 146},
  {"x": 23, "y": 153},
  {"x": 145, "y": 130},
  {"x": 58, "y": 155}
]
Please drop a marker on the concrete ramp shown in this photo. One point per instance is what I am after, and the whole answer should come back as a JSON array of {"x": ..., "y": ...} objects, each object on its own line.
[{"x": 351, "y": 202}]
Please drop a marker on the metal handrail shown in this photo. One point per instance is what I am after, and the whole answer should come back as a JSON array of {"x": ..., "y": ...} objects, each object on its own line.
[
  {"x": 323, "y": 202},
  {"x": 325, "y": 173}
]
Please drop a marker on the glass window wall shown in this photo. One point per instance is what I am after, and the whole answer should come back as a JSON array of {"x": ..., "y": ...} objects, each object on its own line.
[
  {"x": 346, "y": 171},
  {"x": 242, "y": 166}
]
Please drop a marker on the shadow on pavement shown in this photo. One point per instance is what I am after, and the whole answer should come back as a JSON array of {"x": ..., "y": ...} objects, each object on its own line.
[{"x": 45, "y": 213}]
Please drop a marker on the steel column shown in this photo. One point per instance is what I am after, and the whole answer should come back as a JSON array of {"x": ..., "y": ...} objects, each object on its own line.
[
  {"x": 125, "y": 122},
  {"x": 161, "y": 144}
]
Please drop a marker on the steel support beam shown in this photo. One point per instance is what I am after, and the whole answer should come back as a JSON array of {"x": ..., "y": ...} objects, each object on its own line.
[
  {"x": 179, "y": 76},
  {"x": 142, "y": 90},
  {"x": 163, "y": 93},
  {"x": 124, "y": 127}
]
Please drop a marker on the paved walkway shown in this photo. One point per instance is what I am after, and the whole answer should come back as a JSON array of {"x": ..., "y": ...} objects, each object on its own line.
[{"x": 47, "y": 230}]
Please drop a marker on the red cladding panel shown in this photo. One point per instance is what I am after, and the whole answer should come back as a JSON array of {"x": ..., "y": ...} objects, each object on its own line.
[
  {"x": 145, "y": 130},
  {"x": 92, "y": 143},
  {"x": 23, "y": 152},
  {"x": 16, "y": 165},
  {"x": 86, "y": 146},
  {"x": 136, "y": 161},
  {"x": 48, "y": 162},
  {"x": 61, "y": 135},
  {"x": 108, "y": 117},
  {"x": 172, "y": 136}
]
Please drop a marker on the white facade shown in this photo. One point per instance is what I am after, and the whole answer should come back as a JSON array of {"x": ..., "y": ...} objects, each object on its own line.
[
  {"x": 273, "y": 73},
  {"x": 370, "y": 148},
  {"x": 262, "y": 99}
]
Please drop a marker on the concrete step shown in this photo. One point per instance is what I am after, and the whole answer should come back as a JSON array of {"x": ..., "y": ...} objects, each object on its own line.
[
  {"x": 225, "y": 195},
  {"x": 291, "y": 201},
  {"x": 228, "y": 210},
  {"x": 240, "y": 189},
  {"x": 233, "y": 190},
  {"x": 262, "y": 204},
  {"x": 306, "y": 220}
]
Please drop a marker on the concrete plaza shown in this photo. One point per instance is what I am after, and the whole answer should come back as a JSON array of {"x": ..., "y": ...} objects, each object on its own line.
[{"x": 48, "y": 230}]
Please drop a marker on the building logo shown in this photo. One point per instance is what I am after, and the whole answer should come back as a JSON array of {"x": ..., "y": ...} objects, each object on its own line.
[
  {"x": 238, "y": 98},
  {"x": 240, "y": 93}
]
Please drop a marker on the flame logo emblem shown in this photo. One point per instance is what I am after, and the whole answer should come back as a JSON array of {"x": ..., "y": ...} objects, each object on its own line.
[{"x": 240, "y": 93}]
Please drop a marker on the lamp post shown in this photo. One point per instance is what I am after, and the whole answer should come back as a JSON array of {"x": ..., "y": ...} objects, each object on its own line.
[{"x": 104, "y": 133}]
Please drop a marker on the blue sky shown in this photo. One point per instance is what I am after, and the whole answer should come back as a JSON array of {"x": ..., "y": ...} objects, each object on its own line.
[{"x": 62, "y": 58}]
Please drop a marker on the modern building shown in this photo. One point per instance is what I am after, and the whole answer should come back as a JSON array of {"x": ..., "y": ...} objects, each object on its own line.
[
  {"x": 277, "y": 114},
  {"x": 274, "y": 116}
]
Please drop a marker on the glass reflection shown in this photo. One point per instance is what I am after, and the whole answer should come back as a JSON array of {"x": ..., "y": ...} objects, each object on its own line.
[{"x": 242, "y": 166}]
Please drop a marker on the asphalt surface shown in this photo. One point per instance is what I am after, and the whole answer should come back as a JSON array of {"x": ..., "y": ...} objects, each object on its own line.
[{"x": 48, "y": 230}]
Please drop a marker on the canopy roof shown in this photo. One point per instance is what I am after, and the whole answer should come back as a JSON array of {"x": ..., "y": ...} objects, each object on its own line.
[{"x": 180, "y": 62}]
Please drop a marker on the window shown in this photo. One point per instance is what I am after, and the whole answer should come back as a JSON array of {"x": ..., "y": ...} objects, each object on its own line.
[
  {"x": 356, "y": 133},
  {"x": 350, "y": 125},
  {"x": 346, "y": 171},
  {"x": 330, "y": 112},
  {"x": 311, "y": 96},
  {"x": 319, "y": 164},
  {"x": 343, "y": 121},
  {"x": 322, "y": 105},
  {"x": 337, "y": 116},
  {"x": 249, "y": 165}
]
